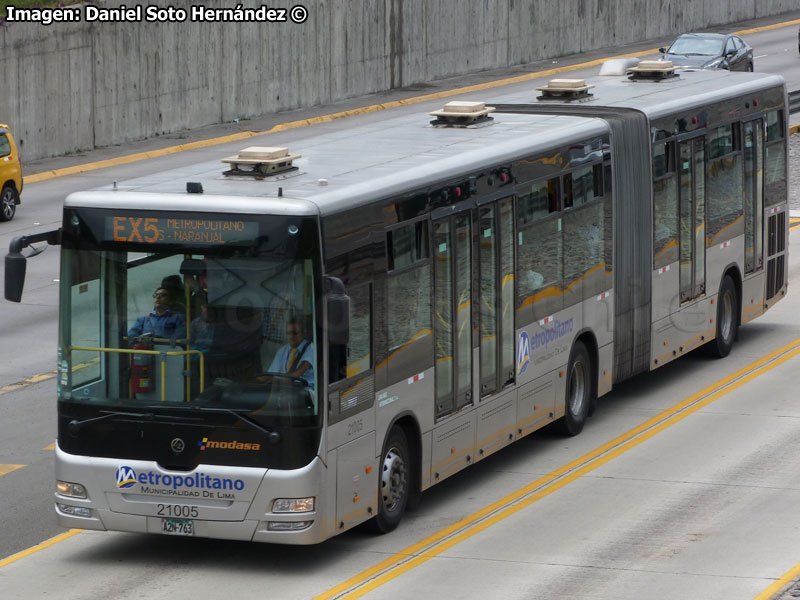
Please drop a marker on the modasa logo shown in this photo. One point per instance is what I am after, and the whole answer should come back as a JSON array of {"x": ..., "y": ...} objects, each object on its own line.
[
  {"x": 126, "y": 477},
  {"x": 206, "y": 444}
]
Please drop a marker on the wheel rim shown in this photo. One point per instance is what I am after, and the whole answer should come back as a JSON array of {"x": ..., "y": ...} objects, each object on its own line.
[
  {"x": 726, "y": 316},
  {"x": 393, "y": 479},
  {"x": 577, "y": 388},
  {"x": 7, "y": 203}
]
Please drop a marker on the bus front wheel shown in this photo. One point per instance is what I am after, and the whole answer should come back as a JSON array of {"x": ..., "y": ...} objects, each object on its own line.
[
  {"x": 579, "y": 390},
  {"x": 395, "y": 482}
]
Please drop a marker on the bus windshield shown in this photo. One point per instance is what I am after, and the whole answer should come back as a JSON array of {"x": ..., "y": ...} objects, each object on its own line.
[{"x": 203, "y": 311}]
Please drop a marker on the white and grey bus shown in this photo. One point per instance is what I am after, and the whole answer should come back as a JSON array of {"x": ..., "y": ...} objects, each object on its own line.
[{"x": 458, "y": 283}]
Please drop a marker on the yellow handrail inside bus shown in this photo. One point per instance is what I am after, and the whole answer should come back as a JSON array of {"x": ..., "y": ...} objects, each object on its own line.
[{"x": 153, "y": 352}]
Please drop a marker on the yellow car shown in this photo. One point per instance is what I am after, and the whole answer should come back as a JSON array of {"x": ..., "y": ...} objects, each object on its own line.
[{"x": 10, "y": 174}]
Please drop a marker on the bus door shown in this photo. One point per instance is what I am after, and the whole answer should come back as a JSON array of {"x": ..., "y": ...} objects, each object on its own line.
[
  {"x": 692, "y": 211},
  {"x": 753, "y": 196},
  {"x": 495, "y": 270},
  {"x": 452, "y": 327}
]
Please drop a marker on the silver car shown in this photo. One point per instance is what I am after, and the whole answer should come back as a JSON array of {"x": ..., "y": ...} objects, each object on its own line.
[{"x": 710, "y": 51}]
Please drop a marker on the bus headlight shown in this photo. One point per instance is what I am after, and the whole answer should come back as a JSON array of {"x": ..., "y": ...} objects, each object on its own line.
[
  {"x": 73, "y": 490},
  {"x": 293, "y": 505}
]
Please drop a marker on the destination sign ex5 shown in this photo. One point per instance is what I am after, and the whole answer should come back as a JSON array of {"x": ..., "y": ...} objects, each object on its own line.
[{"x": 178, "y": 230}]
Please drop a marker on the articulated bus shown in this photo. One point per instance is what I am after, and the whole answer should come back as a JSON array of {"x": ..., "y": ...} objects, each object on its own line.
[{"x": 458, "y": 281}]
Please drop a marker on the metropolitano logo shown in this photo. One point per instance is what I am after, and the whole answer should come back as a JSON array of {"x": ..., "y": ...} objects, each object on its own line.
[{"x": 126, "y": 477}]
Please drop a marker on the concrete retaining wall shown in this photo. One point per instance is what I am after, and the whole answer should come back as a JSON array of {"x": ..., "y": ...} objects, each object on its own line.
[{"x": 72, "y": 86}]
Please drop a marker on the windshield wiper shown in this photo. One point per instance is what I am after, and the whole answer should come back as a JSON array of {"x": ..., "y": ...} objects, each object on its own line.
[
  {"x": 75, "y": 424},
  {"x": 273, "y": 436}
]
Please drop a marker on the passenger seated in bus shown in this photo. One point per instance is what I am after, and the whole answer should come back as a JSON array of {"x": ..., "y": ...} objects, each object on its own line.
[
  {"x": 295, "y": 358},
  {"x": 201, "y": 328},
  {"x": 163, "y": 321},
  {"x": 230, "y": 338}
]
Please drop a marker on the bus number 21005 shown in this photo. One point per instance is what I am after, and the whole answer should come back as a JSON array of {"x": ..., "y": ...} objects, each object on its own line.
[{"x": 177, "y": 510}]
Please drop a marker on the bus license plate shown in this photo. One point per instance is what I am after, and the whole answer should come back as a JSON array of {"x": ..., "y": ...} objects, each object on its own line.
[{"x": 177, "y": 526}]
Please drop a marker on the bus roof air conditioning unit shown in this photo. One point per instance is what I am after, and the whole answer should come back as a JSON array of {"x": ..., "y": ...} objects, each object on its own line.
[
  {"x": 566, "y": 90},
  {"x": 652, "y": 70},
  {"x": 260, "y": 161},
  {"x": 460, "y": 113}
]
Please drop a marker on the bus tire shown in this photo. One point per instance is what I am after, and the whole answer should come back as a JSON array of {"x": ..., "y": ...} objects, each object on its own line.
[
  {"x": 579, "y": 390},
  {"x": 727, "y": 319},
  {"x": 8, "y": 202},
  {"x": 394, "y": 486}
]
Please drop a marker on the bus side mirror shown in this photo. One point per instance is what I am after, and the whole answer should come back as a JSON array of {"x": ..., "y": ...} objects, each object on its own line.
[
  {"x": 15, "y": 276},
  {"x": 338, "y": 305},
  {"x": 16, "y": 262}
]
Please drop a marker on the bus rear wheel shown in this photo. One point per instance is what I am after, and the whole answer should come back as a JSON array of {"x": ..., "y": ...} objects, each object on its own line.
[
  {"x": 727, "y": 319},
  {"x": 395, "y": 482},
  {"x": 579, "y": 390}
]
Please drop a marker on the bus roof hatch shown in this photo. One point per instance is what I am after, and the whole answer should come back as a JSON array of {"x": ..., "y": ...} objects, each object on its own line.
[
  {"x": 460, "y": 113},
  {"x": 260, "y": 161}
]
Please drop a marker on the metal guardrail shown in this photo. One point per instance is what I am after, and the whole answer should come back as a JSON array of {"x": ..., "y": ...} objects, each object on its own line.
[{"x": 794, "y": 101}]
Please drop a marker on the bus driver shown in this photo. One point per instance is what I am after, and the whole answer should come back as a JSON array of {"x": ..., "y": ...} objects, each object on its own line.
[{"x": 297, "y": 356}]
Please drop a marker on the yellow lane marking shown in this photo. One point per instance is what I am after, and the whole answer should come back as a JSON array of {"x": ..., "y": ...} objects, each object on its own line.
[
  {"x": 794, "y": 223},
  {"x": 6, "y": 469},
  {"x": 779, "y": 584},
  {"x": 123, "y": 160},
  {"x": 37, "y": 547},
  {"x": 415, "y": 555},
  {"x": 50, "y": 447},
  {"x": 30, "y": 380},
  {"x": 768, "y": 27}
]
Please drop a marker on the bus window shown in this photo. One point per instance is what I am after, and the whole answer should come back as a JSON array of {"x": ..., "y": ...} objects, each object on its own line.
[
  {"x": 665, "y": 205},
  {"x": 724, "y": 184},
  {"x": 407, "y": 245},
  {"x": 358, "y": 354},
  {"x": 540, "y": 201},
  {"x": 775, "y": 159},
  {"x": 539, "y": 266},
  {"x": 408, "y": 299}
]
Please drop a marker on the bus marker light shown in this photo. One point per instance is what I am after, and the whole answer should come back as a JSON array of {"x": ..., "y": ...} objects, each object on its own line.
[
  {"x": 368, "y": 469},
  {"x": 75, "y": 511},
  {"x": 355, "y": 498},
  {"x": 288, "y": 526}
]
